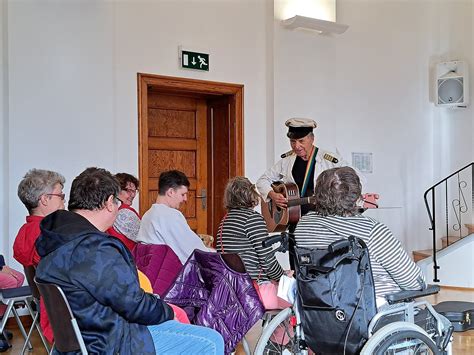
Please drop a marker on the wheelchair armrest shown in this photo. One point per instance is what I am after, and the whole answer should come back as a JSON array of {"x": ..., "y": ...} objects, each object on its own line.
[{"x": 408, "y": 295}]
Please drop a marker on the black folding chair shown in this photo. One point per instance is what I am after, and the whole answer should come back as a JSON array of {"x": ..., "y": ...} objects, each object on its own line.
[{"x": 67, "y": 336}]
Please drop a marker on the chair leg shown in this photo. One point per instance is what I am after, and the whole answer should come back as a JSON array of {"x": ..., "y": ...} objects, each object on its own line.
[
  {"x": 22, "y": 329},
  {"x": 6, "y": 314},
  {"x": 35, "y": 316},
  {"x": 38, "y": 326},
  {"x": 246, "y": 346},
  {"x": 27, "y": 341},
  {"x": 43, "y": 339}
]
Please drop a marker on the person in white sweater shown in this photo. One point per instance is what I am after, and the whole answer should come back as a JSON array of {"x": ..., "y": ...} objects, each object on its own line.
[{"x": 163, "y": 223}]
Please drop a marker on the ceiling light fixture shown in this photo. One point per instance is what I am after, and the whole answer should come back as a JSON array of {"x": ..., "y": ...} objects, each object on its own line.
[{"x": 322, "y": 26}]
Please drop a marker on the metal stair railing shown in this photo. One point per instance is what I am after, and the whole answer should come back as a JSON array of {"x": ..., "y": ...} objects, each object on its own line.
[{"x": 459, "y": 205}]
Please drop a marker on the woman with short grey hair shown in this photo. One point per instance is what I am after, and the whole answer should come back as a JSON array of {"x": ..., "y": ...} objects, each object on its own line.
[
  {"x": 36, "y": 183},
  {"x": 41, "y": 191}
]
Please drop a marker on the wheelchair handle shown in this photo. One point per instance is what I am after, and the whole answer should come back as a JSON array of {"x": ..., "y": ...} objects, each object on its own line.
[
  {"x": 272, "y": 240},
  {"x": 338, "y": 245},
  {"x": 283, "y": 239}
]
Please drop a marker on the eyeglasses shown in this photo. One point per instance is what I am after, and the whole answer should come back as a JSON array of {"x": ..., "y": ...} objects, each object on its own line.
[
  {"x": 61, "y": 196},
  {"x": 117, "y": 201},
  {"x": 131, "y": 191}
]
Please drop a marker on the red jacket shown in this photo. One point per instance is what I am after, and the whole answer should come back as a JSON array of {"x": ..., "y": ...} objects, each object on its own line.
[{"x": 24, "y": 251}]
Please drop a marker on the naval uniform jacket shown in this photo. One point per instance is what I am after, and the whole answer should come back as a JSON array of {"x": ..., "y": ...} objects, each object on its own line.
[{"x": 282, "y": 170}]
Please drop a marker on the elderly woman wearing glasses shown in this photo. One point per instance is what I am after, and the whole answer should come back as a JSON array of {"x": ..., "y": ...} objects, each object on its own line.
[
  {"x": 41, "y": 191},
  {"x": 127, "y": 224}
]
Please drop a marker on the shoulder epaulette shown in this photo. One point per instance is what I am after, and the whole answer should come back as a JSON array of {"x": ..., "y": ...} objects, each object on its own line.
[
  {"x": 287, "y": 154},
  {"x": 330, "y": 158}
]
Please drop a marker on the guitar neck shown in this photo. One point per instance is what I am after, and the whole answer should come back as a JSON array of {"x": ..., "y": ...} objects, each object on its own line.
[{"x": 300, "y": 201}]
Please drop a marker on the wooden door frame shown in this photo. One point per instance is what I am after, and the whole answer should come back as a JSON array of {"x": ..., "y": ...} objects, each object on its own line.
[{"x": 179, "y": 86}]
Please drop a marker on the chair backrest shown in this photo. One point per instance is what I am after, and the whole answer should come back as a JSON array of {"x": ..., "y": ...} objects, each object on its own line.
[
  {"x": 67, "y": 336},
  {"x": 30, "y": 273},
  {"x": 234, "y": 262}
]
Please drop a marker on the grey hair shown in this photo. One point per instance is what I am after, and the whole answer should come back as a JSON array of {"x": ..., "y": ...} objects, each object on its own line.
[
  {"x": 240, "y": 193},
  {"x": 35, "y": 183},
  {"x": 337, "y": 191}
]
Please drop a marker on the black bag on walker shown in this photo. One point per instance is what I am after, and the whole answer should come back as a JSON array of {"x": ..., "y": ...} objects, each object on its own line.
[{"x": 336, "y": 296}]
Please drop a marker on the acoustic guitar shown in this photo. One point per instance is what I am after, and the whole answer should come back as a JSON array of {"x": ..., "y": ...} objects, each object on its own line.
[{"x": 276, "y": 218}]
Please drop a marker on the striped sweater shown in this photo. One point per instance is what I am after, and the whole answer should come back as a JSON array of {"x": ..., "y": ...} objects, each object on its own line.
[
  {"x": 392, "y": 268},
  {"x": 243, "y": 231}
]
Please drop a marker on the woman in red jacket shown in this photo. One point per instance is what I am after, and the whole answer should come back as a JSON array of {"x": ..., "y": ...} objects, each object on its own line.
[
  {"x": 127, "y": 224},
  {"x": 41, "y": 191}
]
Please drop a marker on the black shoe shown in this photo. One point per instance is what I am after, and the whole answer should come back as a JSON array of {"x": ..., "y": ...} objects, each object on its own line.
[
  {"x": 8, "y": 334},
  {"x": 4, "y": 344}
]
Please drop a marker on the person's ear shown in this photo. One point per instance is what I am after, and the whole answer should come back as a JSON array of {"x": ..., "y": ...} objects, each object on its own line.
[
  {"x": 109, "y": 203},
  {"x": 170, "y": 192},
  {"x": 43, "y": 200}
]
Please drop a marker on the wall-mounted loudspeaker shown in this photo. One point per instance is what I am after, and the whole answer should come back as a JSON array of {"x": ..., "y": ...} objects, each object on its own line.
[{"x": 452, "y": 84}]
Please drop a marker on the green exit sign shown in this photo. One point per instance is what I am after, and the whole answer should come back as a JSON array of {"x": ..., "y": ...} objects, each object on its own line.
[{"x": 194, "y": 60}]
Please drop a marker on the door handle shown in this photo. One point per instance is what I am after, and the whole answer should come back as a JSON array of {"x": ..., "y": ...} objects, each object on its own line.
[{"x": 203, "y": 198}]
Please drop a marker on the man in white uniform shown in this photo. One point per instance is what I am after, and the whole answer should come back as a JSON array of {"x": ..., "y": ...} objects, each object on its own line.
[
  {"x": 293, "y": 165},
  {"x": 163, "y": 223},
  {"x": 301, "y": 165}
]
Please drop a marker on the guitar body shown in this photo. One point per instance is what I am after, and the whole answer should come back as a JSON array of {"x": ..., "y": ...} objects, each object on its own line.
[{"x": 276, "y": 218}]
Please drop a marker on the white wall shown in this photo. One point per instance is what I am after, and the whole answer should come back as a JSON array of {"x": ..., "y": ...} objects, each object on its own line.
[
  {"x": 73, "y": 73},
  {"x": 70, "y": 98},
  {"x": 4, "y": 244},
  {"x": 449, "y": 261},
  {"x": 368, "y": 89}
]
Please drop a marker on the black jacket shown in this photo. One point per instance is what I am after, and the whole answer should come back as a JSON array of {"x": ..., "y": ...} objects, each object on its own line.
[{"x": 99, "y": 278}]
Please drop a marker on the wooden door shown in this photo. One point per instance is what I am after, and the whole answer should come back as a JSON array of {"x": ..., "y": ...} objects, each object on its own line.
[
  {"x": 177, "y": 139},
  {"x": 195, "y": 126},
  {"x": 220, "y": 160}
]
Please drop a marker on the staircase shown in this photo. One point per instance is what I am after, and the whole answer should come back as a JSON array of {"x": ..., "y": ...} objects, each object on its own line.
[
  {"x": 450, "y": 213},
  {"x": 445, "y": 242}
]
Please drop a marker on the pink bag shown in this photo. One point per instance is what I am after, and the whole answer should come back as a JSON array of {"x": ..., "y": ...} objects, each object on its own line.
[{"x": 267, "y": 291}]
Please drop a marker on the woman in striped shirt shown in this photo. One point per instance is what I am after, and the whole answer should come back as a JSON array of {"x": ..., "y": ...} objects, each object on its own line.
[
  {"x": 337, "y": 216},
  {"x": 242, "y": 231}
]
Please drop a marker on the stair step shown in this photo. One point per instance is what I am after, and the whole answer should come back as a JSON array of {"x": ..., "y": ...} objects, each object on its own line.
[
  {"x": 421, "y": 254},
  {"x": 452, "y": 239},
  {"x": 470, "y": 227}
]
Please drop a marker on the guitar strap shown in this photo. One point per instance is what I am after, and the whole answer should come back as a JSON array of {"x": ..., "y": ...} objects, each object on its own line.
[{"x": 309, "y": 168}]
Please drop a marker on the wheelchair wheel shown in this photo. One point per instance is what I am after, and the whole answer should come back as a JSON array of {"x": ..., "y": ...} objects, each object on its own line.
[
  {"x": 278, "y": 336},
  {"x": 400, "y": 338}
]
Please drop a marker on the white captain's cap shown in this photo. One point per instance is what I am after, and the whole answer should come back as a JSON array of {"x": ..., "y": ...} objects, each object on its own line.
[{"x": 299, "y": 127}]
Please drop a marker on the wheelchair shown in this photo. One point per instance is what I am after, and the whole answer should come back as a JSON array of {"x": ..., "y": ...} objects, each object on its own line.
[{"x": 402, "y": 326}]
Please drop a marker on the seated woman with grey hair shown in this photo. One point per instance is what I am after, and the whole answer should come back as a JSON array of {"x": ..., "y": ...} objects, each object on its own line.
[
  {"x": 41, "y": 191},
  {"x": 242, "y": 231},
  {"x": 337, "y": 215}
]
